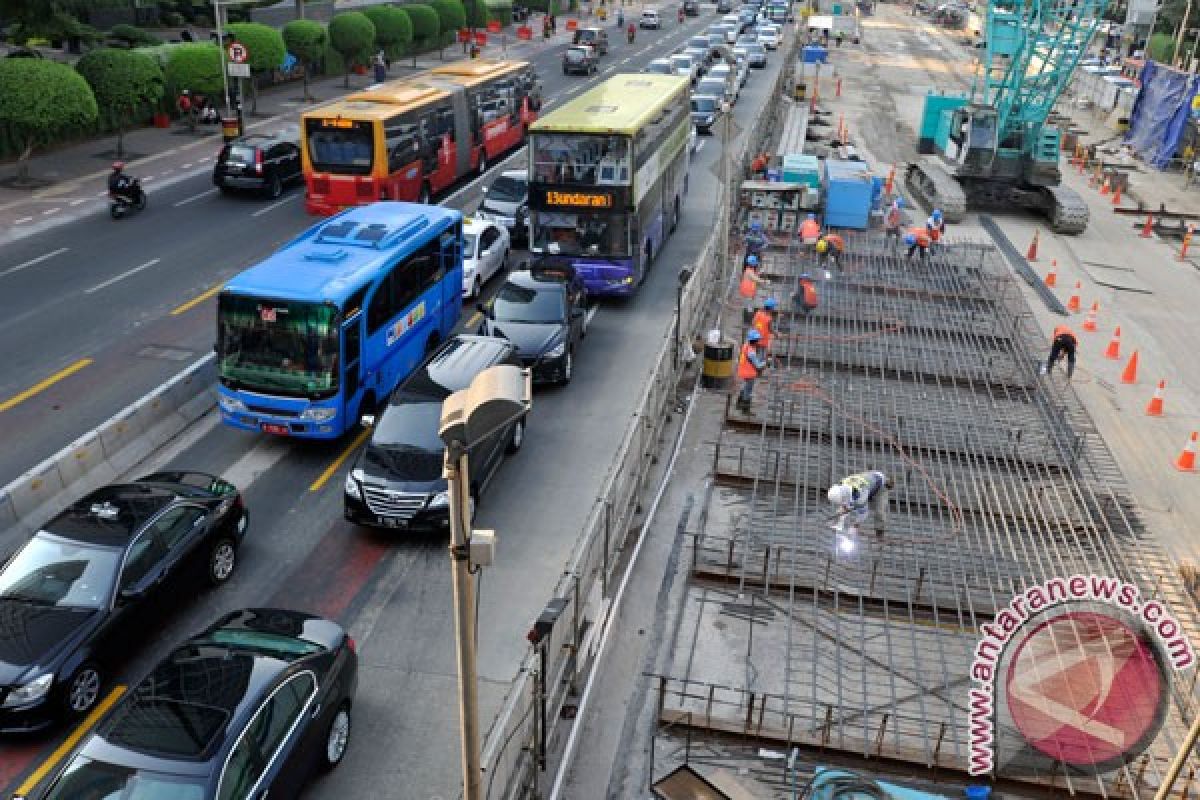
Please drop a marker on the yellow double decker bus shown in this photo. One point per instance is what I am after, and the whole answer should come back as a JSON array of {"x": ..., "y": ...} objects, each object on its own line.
[{"x": 608, "y": 172}]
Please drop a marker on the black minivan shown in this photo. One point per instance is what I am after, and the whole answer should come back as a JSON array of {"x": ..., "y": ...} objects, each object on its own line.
[
  {"x": 259, "y": 163},
  {"x": 397, "y": 480}
]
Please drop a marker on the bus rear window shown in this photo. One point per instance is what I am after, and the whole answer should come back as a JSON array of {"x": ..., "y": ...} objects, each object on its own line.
[{"x": 345, "y": 149}]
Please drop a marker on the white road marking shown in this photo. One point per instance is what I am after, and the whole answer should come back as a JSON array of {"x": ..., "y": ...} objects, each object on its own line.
[
  {"x": 264, "y": 455},
  {"x": 274, "y": 205},
  {"x": 498, "y": 166},
  {"x": 122, "y": 276},
  {"x": 22, "y": 220},
  {"x": 195, "y": 197},
  {"x": 33, "y": 261},
  {"x": 77, "y": 202},
  {"x": 591, "y": 313},
  {"x": 187, "y": 166},
  {"x": 50, "y": 211}
]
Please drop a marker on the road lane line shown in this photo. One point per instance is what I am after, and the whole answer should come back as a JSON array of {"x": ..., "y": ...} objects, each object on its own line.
[
  {"x": 45, "y": 384},
  {"x": 77, "y": 202},
  {"x": 33, "y": 261},
  {"x": 195, "y": 301},
  {"x": 320, "y": 482},
  {"x": 60, "y": 752},
  {"x": 473, "y": 320},
  {"x": 249, "y": 468},
  {"x": 591, "y": 313},
  {"x": 50, "y": 211},
  {"x": 22, "y": 220},
  {"x": 275, "y": 205},
  {"x": 195, "y": 197},
  {"x": 122, "y": 276}
]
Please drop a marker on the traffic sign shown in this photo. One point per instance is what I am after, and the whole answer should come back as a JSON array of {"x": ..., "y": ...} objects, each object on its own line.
[
  {"x": 238, "y": 70},
  {"x": 238, "y": 53}
]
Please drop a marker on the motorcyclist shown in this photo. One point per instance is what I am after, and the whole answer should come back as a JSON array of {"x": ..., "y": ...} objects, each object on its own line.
[
  {"x": 121, "y": 185},
  {"x": 631, "y": 32}
]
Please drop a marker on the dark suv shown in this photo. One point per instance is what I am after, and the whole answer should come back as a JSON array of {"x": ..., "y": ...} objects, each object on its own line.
[
  {"x": 397, "y": 481},
  {"x": 258, "y": 162}
]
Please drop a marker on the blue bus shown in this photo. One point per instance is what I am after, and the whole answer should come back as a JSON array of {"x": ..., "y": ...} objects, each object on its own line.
[{"x": 325, "y": 328}]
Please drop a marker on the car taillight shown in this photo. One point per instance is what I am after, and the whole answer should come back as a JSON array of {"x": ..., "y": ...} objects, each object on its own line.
[{"x": 258, "y": 162}]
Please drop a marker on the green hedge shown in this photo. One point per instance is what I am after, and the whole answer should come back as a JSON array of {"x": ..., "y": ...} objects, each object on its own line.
[
  {"x": 426, "y": 26},
  {"x": 128, "y": 86},
  {"x": 42, "y": 102}
]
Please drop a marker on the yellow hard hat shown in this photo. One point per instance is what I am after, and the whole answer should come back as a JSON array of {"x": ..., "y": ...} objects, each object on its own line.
[{"x": 822, "y": 246}]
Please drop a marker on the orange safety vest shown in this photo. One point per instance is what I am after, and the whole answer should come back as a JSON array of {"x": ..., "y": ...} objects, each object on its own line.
[
  {"x": 746, "y": 368},
  {"x": 809, "y": 294},
  {"x": 1062, "y": 330},
  {"x": 810, "y": 229},
  {"x": 835, "y": 241},
  {"x": 747, "y": 286},
  {"x": 922, "y": 236},
  {"x": 762, "y": 324},
  {"x": 893, "y": 218}
]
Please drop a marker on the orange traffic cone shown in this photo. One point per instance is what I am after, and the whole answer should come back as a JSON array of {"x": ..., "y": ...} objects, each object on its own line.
[
  {"x": 1052, "y": 275},
  {"x": 1187, "y": 459},
  {"x": 1148, "y": 228},
  {"x": 1129, "y": 375},
  {"x": 1155, "y": 407},
  {"x": 1106, "y": 188},
  {"x": 1116, "y": 201},
  {"x": 1089, "y": 322},
  {"x": 1073, "y": 305},
  {"x": 1113, "y": 350},
  {"x": 1031, "y": 253}
]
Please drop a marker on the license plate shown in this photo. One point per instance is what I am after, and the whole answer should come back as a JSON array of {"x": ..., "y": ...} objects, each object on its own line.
[
  {"x": 281, "y": 430},
  {"x": 392, "y": 522}
]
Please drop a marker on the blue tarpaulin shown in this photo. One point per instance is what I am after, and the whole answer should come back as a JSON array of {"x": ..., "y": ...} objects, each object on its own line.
[{"x": 1160, "y": 113}]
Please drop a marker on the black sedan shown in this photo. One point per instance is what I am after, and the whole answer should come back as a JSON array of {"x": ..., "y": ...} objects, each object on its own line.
[
  {"x": 247, "y": 709},
  {"x": 81, "y": 593},
  {"x": 543, "y": 312}
]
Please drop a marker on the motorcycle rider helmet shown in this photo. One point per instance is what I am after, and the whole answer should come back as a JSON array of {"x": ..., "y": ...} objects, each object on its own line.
[{"x": 118, "y": 166}]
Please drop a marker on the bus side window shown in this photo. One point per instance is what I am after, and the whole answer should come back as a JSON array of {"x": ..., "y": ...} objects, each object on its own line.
[{"x": 381, "y": 309}]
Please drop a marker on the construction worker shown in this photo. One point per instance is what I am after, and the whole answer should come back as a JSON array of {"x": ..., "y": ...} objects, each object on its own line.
[
  {"x": 810, "y": 230},
  {"x": 751, "y": 280},
  {"x": 892, "y": 221},
  {"x": 751, "y": 364},
  {"x": 829, "y": 250},
  {"x": 917, "y": 240},
  {"x": 764, "y": 322},
  {"x": 1062, "y": 342},
  {"x": 935, "y": 226},
  {"x": 756, "y": 240},
  {"x": 857, "y": 497},
  {"x": 806, "y": 297},
  {"x": 758, "y": 167}
]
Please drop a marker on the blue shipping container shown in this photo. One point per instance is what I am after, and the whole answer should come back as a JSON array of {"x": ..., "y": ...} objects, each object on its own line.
[{"x": 848, "y": 194}]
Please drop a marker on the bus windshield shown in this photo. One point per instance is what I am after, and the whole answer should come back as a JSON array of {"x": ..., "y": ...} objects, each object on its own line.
[
  {"x": 279, "y": 347},
  {"x": 581, "y": 233},
  {"x": 580, "y": 158},
  {"x": 340, "y": 146}
]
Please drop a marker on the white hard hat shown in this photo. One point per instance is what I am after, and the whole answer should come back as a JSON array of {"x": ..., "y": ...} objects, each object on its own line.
[{"x": 839, "y": 494}]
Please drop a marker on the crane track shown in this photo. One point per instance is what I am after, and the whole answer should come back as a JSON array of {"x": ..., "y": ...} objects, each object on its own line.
[
  {"x": 1068, "y": 212},
  {"x": 936, "y": 188}
]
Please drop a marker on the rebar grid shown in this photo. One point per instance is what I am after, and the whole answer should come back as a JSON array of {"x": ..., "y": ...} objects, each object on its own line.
[{"x": 926, "y": 371}]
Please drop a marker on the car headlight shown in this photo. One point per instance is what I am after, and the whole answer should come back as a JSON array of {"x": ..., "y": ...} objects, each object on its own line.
[
  {"x": 440, "y": 500},
  {"x": 31, "y": 692},
  {"x": 318, "y": 414},
  {"x": 352, "y": 479},
  {"x": 558, "y": 350},
  {"x": 231, "y": 404}
]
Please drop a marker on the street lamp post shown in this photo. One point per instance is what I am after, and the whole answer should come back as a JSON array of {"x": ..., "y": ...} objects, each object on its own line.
[
  {"x": 497, "y": 397},
  {"x": 685, "y": 274},
  {"x": 726, "y": 110},
  {"x": 217, "y": 4}
]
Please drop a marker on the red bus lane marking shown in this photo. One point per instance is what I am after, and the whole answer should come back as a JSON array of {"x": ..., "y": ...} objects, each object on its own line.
[
  {"x": 333, "y": 573},
  {"x": 16, "y": 758}
]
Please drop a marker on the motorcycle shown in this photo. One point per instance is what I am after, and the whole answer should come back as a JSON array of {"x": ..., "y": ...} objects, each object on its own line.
[{"x": 133, "y": 198}]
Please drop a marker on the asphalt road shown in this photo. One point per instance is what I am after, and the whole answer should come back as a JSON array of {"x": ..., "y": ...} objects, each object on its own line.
[{"x": 92, "y": 301}]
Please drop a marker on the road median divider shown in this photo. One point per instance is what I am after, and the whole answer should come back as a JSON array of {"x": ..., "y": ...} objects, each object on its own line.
[{"x": 109, "y": 450}]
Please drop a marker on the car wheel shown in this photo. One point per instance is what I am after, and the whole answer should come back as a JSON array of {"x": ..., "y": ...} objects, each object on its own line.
[
  {"x": 275, "y": 189},
  {"x": 222, "y": 559},
  {"x": 476, "y": 289},
  {"x": 336, "y": 739},
  {"x": 568, "y": 367},
  {"x": 83, "y": 690},
  {"x": 518, "y": 437}
]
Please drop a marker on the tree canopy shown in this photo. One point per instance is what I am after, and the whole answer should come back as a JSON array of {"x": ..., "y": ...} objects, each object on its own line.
[
  {"x": 127, "y": 84},
  {"x": 393, "y": 30},
  {"x": 264, "y": 43},
  {"x": 42, "y": 100},
  {"x": 305, "y": 40},
  {"x": 425, "y": 23},
  {"x": 195, "y": 67}
]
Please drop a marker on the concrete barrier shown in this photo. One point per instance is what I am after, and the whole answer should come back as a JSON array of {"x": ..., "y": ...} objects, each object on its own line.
[{"x": 109, "y": 450}]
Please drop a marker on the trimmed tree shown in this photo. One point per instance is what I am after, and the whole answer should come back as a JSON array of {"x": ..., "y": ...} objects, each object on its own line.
[
  {"x": 195, "y": 67},
  {"x": 132, "y": 36},
  {"x": 40, "y": 100},
  {"x": 393, "y": 30},
  {"x": 352, "y": 34},
  {"x": 451, "y": 17},
  {"x": 266, "y": 51},
  {"x": 477, "y": 13},
  {"x": 426, "y": 27},
  {"x": 306, "y": 40},
  {"x": 127, "y": 86}
]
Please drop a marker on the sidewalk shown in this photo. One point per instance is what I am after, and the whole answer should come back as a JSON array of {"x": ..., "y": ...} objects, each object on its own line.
[{"x": 161, "y": 157}]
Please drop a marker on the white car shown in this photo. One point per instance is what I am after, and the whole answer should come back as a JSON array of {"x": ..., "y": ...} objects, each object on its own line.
[
  {"x": 650, "y": 20},
  {"x": 685, "y": 67},
  {"x": 768, "y": 37},
  {"x": 726, "y": 73},
  {"x": 485, "y": 252}
]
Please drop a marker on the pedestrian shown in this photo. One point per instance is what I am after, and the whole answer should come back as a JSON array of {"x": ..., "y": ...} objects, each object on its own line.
[
  {"x": 810, "y": 230},
  {"x": 752, "y": 363},
  {"x": 756, "y": 240},
  {"x": 1062, "y": 342},
  {"x": 764, "y": 322},
  {"x": 892, "y": 222},
  {"x": 917, "y": 240},
  {"x": 379, "y": 68},
  {"x": 829, "y": 250},
  {"x": 858, "y": 497},
  {"x": 806, "y": 297}
]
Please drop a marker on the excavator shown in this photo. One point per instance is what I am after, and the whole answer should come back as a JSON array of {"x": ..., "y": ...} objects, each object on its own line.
[{"x": 998, "y": 147}]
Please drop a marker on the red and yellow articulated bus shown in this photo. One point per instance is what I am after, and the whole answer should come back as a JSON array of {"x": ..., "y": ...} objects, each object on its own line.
[{"x": 411, "y": 138}]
